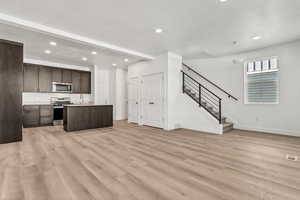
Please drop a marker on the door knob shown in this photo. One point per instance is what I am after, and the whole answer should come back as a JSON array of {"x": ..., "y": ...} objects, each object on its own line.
[{"x": 151, "y": 102}]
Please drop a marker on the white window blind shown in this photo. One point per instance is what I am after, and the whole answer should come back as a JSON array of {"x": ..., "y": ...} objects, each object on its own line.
[{"x": 262, "y": 82}]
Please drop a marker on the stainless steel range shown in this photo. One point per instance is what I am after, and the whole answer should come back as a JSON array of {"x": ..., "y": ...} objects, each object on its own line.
[{"x": 58, "y": 106}]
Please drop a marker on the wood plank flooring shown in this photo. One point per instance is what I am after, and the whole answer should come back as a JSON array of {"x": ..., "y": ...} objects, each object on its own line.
[{"x": 130, "y": 162}]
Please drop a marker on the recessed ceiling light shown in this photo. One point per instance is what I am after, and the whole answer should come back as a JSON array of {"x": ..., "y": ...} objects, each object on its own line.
[
  {"x": 223, "y": 1},
  {"x": 94, "y": 52},
  {"x": 126, "y": 59},
  {"x": 47, "y": 51},
  {"x": 114, "y": 64},
  {"x": 53, "y": 43},
  {"x": 256, "y": 37},
  {"x": 84, "y": 58},
  {"x": 158, "y": 30}
]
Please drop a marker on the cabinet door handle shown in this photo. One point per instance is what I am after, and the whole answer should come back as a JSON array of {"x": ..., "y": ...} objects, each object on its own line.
[{"x": 151, "y": 102}]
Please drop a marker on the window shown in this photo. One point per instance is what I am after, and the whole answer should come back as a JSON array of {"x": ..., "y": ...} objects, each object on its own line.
[{"x": 262, "y": 81}]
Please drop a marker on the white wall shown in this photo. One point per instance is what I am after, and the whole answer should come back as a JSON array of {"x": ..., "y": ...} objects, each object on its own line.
[
  {"x": 158, "y": 65},
  {"x": 173, "y": 91},
  {"x": 183, "y": 112},
  {"x": 105, "y": 87},
  {"x": 101, "y": 86},
  {"x": 281, "y": 118},
  {"x": 121, "y": 94},
  {"x": 179, "y": 110}
]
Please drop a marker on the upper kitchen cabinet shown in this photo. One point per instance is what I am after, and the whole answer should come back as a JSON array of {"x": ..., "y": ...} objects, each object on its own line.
[
  {"x": 45, "y": 79},
  {"x": 76, "y": 81},
  {"x": 38, "y": 78},
  {"x": 31, "y": 78},
  {"x": 57, "y": 75},
  {"x": 66, "y": 76},
  {"x": 85, "y": 82}
]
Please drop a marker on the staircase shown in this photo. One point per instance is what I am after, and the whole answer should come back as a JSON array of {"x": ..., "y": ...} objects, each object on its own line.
[{"x": 204, "y": 97}]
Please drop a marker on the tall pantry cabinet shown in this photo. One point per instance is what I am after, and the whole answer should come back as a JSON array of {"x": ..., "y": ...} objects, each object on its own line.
[{"x": 11, "y": 86}]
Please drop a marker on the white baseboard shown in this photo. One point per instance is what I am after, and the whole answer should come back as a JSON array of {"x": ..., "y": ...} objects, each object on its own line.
[{"x": 268, "y": 130}]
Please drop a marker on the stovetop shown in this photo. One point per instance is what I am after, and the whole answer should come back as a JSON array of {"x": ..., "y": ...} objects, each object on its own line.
[
  {"x": 60, "y": 102},
  {"x": 60, "y": 105}
]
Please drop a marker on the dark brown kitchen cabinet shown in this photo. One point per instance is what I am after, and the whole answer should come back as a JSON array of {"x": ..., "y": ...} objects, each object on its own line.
[
  {"x": 78, "y": 117},
  {"x": 96, "y": 119},
  {"x": 37, "y": 115},
  {"x": 39, "y": 78},
  {"x": 57, "y": 75},
  {"x": 76, "y": 81},
  {"x": 31, "y": 78},
  {"x": 66, "y": 76},
  {"x": 11, "y": 86},
  {"x": 81, "y": 122},
  {"x": 45, "y": 79},
  {"x": 46, "y": 115},
  {"x": 31, "y": 116},
  {"x": 107, "y": 116},
  {"x": 85, "y": 82}
]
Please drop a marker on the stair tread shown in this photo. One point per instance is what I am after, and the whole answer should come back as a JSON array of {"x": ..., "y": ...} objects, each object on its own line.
[
  {"x": 226, "y": 124},
  {"x": 209, "y": 107}
]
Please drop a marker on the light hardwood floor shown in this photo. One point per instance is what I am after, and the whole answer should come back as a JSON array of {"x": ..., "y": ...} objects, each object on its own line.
[{"x": 135, "y": 162}]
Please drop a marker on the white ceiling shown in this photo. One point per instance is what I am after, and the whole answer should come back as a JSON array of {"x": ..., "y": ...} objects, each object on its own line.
[
  {"x": 65, "y": 51},
  {"x": 193, "y": 28}
]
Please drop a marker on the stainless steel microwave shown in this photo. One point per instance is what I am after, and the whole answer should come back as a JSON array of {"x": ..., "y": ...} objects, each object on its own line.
[{"x": 61, "y": 87}]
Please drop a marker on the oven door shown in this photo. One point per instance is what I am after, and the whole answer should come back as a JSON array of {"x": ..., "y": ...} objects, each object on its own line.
[
  {"x": 62, "y": 87},
  {"x": 58, "y": 113}
]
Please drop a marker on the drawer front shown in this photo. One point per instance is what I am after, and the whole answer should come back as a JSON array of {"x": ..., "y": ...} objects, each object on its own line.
[{"x": 46, "y": 121}]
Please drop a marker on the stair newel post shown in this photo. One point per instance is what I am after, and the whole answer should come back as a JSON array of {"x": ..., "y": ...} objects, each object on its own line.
[
  {"x": 200, "y": 104},
  {"x": 183, "y": 82},
  {"x": 220, "y": 111}
]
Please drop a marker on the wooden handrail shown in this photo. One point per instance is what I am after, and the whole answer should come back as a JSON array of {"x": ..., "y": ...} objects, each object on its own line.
[{"x": 212, "y": 83}]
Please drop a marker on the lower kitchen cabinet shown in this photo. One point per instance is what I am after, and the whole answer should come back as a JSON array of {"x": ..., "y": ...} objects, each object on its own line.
[
  {"x": 37, "y": 115},
  {"x": 31, "y": 116},
  {"x": 107, "y": 116},
  {"x": 46, "y": 121},
  {"x": 46, "y": 115}
]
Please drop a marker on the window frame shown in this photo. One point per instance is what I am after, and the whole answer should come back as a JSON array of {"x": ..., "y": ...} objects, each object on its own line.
[{"x": 246, "y": 80}]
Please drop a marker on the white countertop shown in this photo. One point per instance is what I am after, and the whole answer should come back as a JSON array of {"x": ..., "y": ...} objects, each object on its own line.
[
  {"x": 36, "y": 104},
  {"x": 84, "y": 105}
]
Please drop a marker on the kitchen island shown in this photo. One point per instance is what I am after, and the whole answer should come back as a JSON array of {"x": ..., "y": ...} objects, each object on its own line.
[{"x": 87, "y": 116}]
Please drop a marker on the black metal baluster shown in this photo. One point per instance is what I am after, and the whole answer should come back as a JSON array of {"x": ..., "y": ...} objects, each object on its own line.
[
  {"x": 200, "y": 104},
  {"x": 220, "y": 114},
  {"x": 183, "y": 82}
]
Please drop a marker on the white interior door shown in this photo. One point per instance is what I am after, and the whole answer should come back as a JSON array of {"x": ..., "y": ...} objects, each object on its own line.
[
  {"x": 152, "y": 99},
  {"x": 133, "y": 100}
]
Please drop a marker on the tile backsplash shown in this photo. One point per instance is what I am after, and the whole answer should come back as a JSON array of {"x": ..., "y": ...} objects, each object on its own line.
[{"x": 44, "y": 98}]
